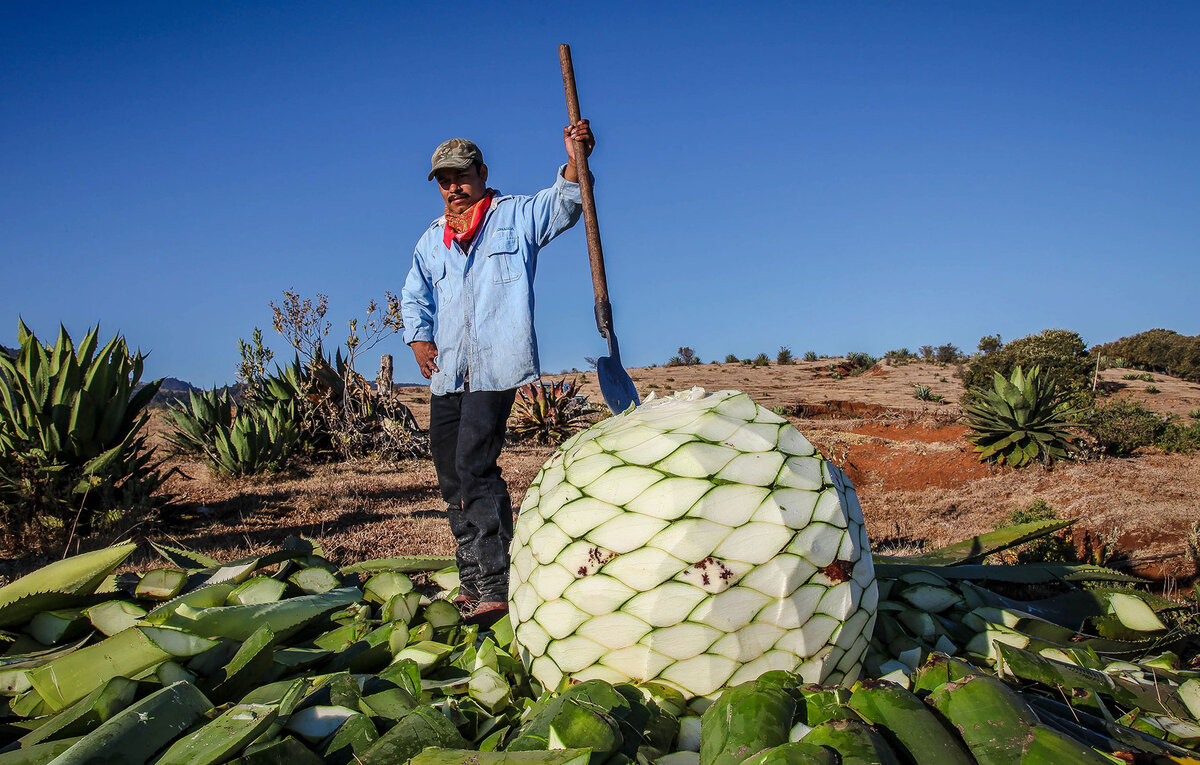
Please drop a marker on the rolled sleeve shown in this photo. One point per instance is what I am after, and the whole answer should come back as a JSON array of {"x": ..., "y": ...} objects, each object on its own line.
[{"x": 552, "y": 211}]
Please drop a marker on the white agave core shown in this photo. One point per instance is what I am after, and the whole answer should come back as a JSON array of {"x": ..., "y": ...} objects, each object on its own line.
[{"x": 698, "y": 540}]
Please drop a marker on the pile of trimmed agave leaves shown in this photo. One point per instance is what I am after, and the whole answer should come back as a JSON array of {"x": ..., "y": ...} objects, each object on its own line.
[{"x": 285, "y": 658}]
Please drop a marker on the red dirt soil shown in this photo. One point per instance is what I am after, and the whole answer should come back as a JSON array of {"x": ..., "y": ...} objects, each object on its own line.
[{"x": 912, "y": 457}]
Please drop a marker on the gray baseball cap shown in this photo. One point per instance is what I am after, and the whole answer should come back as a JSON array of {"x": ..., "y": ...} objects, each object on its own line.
[{"x": 456, "y": 154}]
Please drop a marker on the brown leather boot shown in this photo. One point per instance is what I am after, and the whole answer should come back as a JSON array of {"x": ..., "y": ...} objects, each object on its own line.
[
  {"x": 487, "y": 613},
  {"x": 465, "y": 602}
]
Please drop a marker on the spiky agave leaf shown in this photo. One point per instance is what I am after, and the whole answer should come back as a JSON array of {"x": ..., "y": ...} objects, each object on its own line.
[
  {"x": 1021, "y": 419},
  {"x": 60, "y": 583},
  {"x": 697, "y": 540}
]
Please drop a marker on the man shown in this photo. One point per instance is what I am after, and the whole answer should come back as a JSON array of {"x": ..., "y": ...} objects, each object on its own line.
[{"x": 468, "y": 317}]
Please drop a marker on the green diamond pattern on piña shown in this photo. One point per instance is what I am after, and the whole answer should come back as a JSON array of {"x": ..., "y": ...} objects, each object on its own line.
[{"x": 698, "y": 540}]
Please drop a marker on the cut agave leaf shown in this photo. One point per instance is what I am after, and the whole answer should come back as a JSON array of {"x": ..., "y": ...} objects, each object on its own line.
[
  {"x": 1189, "y": 693},
  {"x": 447, "y": 578},
  {"x": 437, "y": 756},
  {"x": 260, "y": 589},
  {"x": 252, "y": 660},
  {"x": 281, "y": 751},
  {"x": 86, "y": 714},
  {"x": 381, "y": 587},
  {"x": 1134, "y": 613},
  {"x": 220, "y": 740},
  {"x": 423, "y": 727},
  {"x": 426, "y": 654},
  {"x": 404, "y": 565},
  {"x": 160, "y": 584},
  {"x": 113, "y": 616},
  {"x": 128, "y": 736},
  {"x": 314, "y": 581},
  {"x": 490, "y": 689},
  {"x": 54, "y": 627},
  {"x": 442, "y": 613},
  {"x": 70, "y": 678},
  {"x": 202, "y": 597},
  {"x": 284, "y": 617},
  {"x": 351, "y": 741},
  {"x": 58, "y": 584},
  {"x": 317, "y": 722},
  {"x": 170, "y": 672}
]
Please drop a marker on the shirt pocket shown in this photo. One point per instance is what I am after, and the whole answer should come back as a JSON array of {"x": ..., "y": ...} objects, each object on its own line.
[
  {"x": 438, "y": 275},
  {"x": 504, "y": 256}
]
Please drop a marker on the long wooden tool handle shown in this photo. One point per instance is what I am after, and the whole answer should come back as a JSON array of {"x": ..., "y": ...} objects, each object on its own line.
[{"x": 592, "y": 226}]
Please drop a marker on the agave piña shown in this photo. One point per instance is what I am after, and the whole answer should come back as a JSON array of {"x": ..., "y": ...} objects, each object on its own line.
[{"x": 698, "y": 540}]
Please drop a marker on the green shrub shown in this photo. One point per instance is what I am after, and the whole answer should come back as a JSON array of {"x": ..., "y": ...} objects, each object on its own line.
[
  {"x": 1152, "y": 389},
  {"x": 1194, "y": 414},
  {"x": 73, "y": 454},
  {"x": 731, "y": 358},
  {"x": 989, "y": 343},
  {"x": 1177, "y": 437},
  {"x": 947, "y": 354},
  {"x": 685, "y": 357},
  {"x": 899, "y": 357},
  {"x": 810, "y": 355},
  {"x": 1124, "y": 425},
  {"x": 1060, "y": 353},
  {"x": 1160, "y": 350},
  {"x": 1020, "y": 420},
  {"x": 761, "y": 360},
  {"x": 784, "y": 356}
]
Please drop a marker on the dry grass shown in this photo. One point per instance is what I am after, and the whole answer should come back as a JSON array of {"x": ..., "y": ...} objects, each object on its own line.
[{"x": 917, "y": 478}]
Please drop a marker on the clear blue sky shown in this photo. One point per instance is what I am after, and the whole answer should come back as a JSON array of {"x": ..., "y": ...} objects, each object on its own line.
[{"x": 829, "y": 176}]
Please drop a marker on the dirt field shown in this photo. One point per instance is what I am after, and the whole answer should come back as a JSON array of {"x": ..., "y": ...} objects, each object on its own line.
[{"x": 916, "y": 475}]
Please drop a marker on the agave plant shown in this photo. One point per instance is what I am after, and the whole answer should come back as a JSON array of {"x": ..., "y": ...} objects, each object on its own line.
[
  {"x": 71, "y": 438},
  {"x": 925, "y": 393},
  {"x": 548, "y": 414},
  {"x": 294, "y": 387},
  {"x": 1021, "y": 419},
  {"x": 261, "y": 440},
  {"x": 235, "y": 441},
  {"x": 193, "y": 425}
]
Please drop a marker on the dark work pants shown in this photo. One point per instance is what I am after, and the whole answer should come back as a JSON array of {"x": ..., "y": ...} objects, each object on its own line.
[{"x": 466, "y": 433}]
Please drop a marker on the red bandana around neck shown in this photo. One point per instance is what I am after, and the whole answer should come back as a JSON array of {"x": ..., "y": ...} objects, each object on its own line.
[{"x": 461, "y": 226}]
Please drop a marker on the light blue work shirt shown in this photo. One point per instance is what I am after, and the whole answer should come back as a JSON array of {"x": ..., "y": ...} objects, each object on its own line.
[{"x": 477, "y": 306}]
